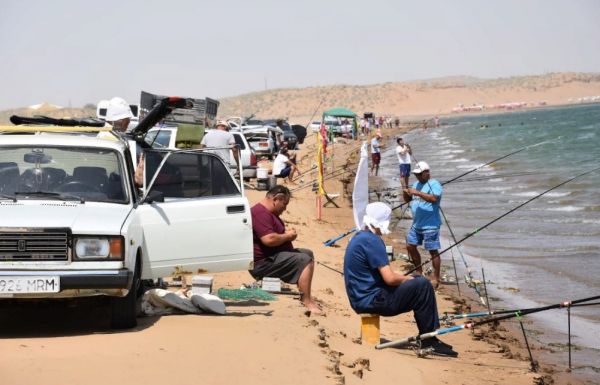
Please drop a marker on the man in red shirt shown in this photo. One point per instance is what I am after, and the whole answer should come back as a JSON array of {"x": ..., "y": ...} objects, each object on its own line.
[{"x": 274, "y": 254}]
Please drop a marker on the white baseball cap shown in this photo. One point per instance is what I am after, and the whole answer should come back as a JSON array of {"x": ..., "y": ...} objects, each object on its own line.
[
  {"x": 378, "y": 215},
  {"x": 421, "y": 166}
]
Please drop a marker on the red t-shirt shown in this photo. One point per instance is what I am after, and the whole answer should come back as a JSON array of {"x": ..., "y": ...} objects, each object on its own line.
[{"x": 264, "y": 223}]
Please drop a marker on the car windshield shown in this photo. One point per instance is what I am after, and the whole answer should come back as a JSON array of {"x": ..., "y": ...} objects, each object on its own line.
[{"x": 62, "y": 173}]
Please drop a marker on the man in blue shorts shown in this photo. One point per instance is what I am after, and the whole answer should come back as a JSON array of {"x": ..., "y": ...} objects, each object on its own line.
[
  {"x": 425, "y": 196},
  {"x": 373, "y": 287}
]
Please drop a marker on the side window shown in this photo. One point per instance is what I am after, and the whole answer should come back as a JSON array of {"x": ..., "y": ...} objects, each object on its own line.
[
  {"x": 189, "y": 175},
  {"x": 239, "y": 141}
]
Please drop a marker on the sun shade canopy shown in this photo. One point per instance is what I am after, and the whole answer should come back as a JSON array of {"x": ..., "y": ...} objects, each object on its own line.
[{"x": 340, "y": 112}]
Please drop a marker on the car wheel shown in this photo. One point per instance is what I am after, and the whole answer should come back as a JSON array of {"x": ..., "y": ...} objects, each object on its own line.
[{"x": 124, "y": 309}]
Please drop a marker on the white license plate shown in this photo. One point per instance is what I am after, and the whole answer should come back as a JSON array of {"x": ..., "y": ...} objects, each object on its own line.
[{"x": 33, "y": 284}]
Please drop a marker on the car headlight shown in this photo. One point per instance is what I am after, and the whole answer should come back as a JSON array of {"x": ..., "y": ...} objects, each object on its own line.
[{"x": 87, "y": 248}]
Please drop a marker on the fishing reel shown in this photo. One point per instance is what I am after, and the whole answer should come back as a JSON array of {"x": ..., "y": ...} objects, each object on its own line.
[{"x": 420, "y": 351}]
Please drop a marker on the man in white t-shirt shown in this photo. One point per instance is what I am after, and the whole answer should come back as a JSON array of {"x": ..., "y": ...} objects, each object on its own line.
[
  {"x": 403, "y": 151},
  {"x": 283, "y": 166},
  {"x": 223, "y": 141},
  {"x": 376, "y": 146}
]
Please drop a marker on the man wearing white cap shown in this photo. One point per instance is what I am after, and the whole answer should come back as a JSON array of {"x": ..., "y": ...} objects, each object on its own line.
[
  {"x": 425, "y": 196},
  {"x": 373, "y": 287}
]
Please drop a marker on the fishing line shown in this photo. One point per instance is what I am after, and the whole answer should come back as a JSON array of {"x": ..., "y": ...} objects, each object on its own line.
[
  {"x": 490, "y": 162},
  {"x": 470, "y": 325},
  {"x": 505, "y": 214}
]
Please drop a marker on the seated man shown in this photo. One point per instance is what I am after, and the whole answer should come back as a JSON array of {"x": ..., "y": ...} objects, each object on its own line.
[
  {"x": 283, "y": 166},
  {"x": 274, "y": 254},
  {"x": 373, "y": 287}
]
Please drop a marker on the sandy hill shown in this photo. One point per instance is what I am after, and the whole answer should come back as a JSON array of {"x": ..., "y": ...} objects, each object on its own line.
[
  {"x": 422, "y": 97},
  {"x": 414, "y": 98}
]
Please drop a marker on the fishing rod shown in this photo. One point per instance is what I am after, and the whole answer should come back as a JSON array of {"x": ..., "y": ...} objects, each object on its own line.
[
  {"x": 311, "y": 182},
  {"x": 469, "y": 235},
  {"x": 470, "y": 325},
  {"x": 451, "y": 317},
  {"x": 332, "y": 241},
  {"x": 488, "y": 163}
]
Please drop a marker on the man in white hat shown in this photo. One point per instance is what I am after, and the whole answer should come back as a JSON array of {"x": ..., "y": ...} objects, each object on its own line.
[
  {"x": 373, "y": 287},
  {"x": 425, "y": 196},
  {"x": 118, "y": 114},
  {"x": 223, "y": 141}
]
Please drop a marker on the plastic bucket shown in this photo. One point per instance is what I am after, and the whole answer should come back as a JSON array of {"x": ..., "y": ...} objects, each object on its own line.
[{"x": 262, "y": 173}]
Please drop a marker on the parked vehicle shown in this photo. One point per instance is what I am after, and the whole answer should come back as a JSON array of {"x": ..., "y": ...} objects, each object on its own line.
[
  {"x": 288, "y": 133},
  {"x": 315, "y": 126},
  {"x": 258, "y": 135},
  {"x": 174, "y": 137},
  {"x": 74, "y": 224}
]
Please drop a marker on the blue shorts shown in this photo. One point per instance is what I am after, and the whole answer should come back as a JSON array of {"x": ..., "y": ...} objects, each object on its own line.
[
  {"x": 285, "y": 172},
  {"x": 430, "y": 238},
  {"x": 405, "y": 169}
]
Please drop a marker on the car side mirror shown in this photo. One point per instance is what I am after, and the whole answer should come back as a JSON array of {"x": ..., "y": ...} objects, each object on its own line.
[{"x": 155, "y": 196}]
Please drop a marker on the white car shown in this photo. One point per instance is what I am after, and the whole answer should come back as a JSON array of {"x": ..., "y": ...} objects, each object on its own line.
[
  {"x": 315, "y": 126},
  {"x": 167, "y": 137},
  {"x": 73, "y": 223}
]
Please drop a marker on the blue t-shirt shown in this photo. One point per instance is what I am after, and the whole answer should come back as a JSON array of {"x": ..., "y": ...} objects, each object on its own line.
[
  {"x": 426, "y": 216},
  {"x": 364, "y": 256}
]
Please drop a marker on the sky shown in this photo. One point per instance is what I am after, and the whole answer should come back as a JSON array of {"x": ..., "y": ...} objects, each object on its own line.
[{"x": 70, "y": 53}]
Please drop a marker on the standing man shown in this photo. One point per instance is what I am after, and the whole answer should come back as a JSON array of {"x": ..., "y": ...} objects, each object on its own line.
[
  {"x": 375, "y": 153},
  {"x": 425, "y": 196},
  {"x": 274, "y": 254},
  {"x": 373, "y": 287},
  {"x": 223, "y": 141},
  {"x": 403, "y": 151}
]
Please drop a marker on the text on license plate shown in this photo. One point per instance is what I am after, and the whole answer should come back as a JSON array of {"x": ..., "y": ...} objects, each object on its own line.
[{"x": 14, "y": 285}]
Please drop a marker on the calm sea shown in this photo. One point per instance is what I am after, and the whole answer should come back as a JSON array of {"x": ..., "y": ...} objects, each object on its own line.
[{"x": 545, "y": 252}]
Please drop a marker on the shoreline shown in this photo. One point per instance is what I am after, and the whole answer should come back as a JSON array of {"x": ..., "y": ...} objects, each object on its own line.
[{"x": 553, "y": 367}]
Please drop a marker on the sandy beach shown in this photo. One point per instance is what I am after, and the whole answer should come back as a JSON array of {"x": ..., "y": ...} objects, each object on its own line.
[{"x": 259, "y": 342}]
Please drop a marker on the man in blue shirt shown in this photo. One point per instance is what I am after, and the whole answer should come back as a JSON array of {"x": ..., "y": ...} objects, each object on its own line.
[
  {"x": 373, "y": 287},
  {"x": 425, "y": 196}
]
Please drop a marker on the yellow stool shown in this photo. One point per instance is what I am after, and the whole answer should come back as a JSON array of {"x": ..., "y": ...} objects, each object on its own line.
[{"x": 369, "y": 329}]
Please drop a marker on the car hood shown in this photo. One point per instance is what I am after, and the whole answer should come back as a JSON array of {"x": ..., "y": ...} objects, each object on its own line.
[{"x": 87, "y": 218}]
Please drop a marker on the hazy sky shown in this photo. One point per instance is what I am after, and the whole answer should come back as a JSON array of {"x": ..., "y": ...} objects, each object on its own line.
[{"x": 76, "y": 52}]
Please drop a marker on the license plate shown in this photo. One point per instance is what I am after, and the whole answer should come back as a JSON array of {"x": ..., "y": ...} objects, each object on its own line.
[{"x": 17, "y": 285}]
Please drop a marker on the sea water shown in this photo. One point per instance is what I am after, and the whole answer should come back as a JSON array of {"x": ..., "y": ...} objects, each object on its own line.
[{"x": 547, "y": 251}]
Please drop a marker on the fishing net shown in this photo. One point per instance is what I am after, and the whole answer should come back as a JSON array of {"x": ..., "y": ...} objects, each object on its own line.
[{"x": 245, "y": 294}]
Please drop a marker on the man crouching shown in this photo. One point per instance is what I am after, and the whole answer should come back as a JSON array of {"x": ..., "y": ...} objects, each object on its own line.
[
  {"x": 274, "y": 254},
  {"x": 373, "y": 287}
]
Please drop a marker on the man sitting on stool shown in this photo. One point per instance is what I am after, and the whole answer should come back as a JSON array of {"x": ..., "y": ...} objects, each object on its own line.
[
  {"x": 283, "y": 166},
  {"x": 373, "y": 287}
]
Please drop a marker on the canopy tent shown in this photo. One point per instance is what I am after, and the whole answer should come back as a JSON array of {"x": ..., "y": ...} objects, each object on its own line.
[{"x": 340, "y": 112}]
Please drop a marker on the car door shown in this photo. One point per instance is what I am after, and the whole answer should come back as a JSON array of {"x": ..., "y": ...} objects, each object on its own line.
[{"x": 203, "y": 224}]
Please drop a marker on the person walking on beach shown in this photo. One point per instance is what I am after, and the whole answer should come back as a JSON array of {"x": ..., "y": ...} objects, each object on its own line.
[
  {"x": 403, "y": 151},
  {"x": 274, "y": 253},
  {"x": 375, "y": 153},
  {"x": 425, "y": 196},
  {"x": 374, "y": 288}
]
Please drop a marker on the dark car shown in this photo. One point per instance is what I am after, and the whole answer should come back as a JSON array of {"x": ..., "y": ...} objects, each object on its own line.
[
  {"x": 288, "y": 133},
  {"x": 300, "y": 132}
]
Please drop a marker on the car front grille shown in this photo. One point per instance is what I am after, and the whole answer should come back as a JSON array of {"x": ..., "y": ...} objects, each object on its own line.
[{"x": 34, "y": 245}]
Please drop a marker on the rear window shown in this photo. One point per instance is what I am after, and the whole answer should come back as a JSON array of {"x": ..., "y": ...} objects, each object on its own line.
[
  {"x": 189, "y": 175},
  {"x": 159, "y": 138}
]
